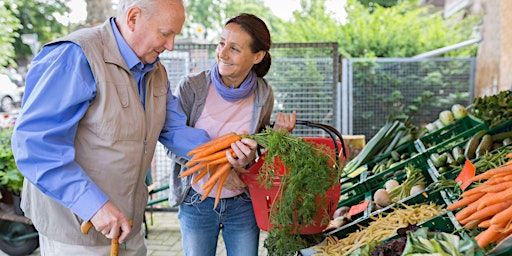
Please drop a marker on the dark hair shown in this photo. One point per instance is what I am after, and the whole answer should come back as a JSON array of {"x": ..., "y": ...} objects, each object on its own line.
[{"x": 260, "y": 35}]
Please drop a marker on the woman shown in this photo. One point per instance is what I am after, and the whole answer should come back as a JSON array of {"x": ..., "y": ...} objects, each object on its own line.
[{"x": 231, "y": 96}]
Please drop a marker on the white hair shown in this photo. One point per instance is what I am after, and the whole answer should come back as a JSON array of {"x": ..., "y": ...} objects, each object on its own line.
[{"x": 147, "y": 5}]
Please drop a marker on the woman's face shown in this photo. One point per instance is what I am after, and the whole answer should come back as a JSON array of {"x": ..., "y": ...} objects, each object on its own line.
[{"x": 234, "y": 55}]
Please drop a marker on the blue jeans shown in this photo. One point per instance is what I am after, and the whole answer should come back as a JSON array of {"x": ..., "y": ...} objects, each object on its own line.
[{"x": 200, "y": 225}]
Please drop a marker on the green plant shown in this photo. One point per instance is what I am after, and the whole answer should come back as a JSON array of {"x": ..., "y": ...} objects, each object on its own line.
[
  {"x": 10, "y": 177},
  {"x": 307, "y": 176}
]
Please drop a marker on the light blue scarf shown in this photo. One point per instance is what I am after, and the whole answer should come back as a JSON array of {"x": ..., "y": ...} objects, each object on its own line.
[{"x": 230, "y": 93}]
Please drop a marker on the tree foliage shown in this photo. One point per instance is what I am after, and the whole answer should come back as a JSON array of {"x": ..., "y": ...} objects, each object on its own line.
[
  {"x": 31, "y": 16},
  {"x": 8, "y": 34},
  {"x": 404, "y": 30}
]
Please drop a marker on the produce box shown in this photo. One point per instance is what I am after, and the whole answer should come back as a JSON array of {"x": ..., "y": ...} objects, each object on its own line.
[
  {"x": 436, "y": 197},
  {"x": 445, "y": 222},
  {"x": 451, "y": 134},
  {"x": 501, "y": 127},
  {"x": 397, "y": 173},
  {"x": 385, "y": 161},
  {"x": 354, "y": 184}
]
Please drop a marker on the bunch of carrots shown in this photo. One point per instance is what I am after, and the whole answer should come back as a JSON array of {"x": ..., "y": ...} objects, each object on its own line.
[
  {"x": 210, "y": 158},
  {"x": 488, "y": 205}
]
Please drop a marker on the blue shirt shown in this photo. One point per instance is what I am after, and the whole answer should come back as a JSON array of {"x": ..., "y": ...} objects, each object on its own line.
[{"x": 59, "y": 89}]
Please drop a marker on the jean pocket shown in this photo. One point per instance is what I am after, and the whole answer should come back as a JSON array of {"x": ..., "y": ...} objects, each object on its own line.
[
  {"x": 192, "y": 198},
  {"x": 244, "y": 197}
]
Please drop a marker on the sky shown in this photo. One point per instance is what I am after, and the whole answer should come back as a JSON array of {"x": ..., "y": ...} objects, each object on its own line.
[{"x": 281, "y": 8}]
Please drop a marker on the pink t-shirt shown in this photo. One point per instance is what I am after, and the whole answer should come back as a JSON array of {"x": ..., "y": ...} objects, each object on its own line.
[{"x": 220, "y": 117}]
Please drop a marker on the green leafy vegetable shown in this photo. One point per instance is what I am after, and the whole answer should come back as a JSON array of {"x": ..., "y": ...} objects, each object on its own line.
[{"x": 310, "y": 172}]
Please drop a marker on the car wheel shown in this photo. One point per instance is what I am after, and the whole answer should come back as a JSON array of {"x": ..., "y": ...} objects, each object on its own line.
[{"x": 7, "y": 104}]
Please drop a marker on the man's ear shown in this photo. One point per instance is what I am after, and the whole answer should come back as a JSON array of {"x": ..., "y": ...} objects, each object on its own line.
[{"x": 132, "y": 16}]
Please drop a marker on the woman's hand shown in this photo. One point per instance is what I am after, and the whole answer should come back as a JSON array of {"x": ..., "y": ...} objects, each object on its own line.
[{"x": 287, "y": 121}]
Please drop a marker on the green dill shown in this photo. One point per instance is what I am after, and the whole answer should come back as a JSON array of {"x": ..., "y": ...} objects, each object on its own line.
[{"x": 310, "y": 171}]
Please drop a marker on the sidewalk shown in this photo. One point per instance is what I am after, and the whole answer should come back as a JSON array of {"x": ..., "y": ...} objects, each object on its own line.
[{"x": 164, "y": 236}]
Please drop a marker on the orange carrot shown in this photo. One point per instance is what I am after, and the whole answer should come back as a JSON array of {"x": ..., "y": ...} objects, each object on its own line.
[
  {"x": 464, "y": 201},
  {"x": 491, "y": 172},
  {"x": 497, "y": 187},
  {"x": 496, "y": 198},
  {"x": 502, "y": 217},
  {"x": 203, "y": 173},
  {"x": 217, "y": 174},
  {"x": 470, "y": 223},
  {"x": 474, "y": 190},
  {"x": 509, "y": 155},
  {"x": 217, "y": 155},
  {"x": 464, "y": 213},
  {"x": 210, "y": 143},
  {"x": 223, "y": 144},
  {"x": 207, "y": 192},
  {"x": 490, "y": 235},
  {"x": 222, "y": 179},
  {"x": 193, "y": 169},
  {"x": 489, "y": 211},
  {"x": 485, "y": 224}
]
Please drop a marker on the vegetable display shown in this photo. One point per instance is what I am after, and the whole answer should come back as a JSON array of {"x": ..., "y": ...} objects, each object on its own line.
[
  {"x": 468, "y": 151},
  {"x": 488, "y": 205}
]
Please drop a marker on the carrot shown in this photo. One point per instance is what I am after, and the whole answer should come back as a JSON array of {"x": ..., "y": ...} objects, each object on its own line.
[
  {"x": 485, "y": 224},
  {"x": 222, "y": 179},
  {"x": 210, "y": 143},
  {"x": 217, "y": 174},
  {"x": 203, "y": 173},
  {"x": 497, "y": 187},
  {"x": 474, "y": 190},
  {"x": 489, "y": 211},
  {"x": 491, "y": 172},
  {"x": 496, "y": 198},
  {"x": 509, "y": 155},
  {"x": 193, "y": 169},
  {"x": 471, "y": 223},
  {"x": 464, "y": 201},
  {"x": 502, "y": 217},
  {"x": 225, "y": 143},
  {"x": 207, "y": 191},
  {"x": 464, "y": 213},
  {"x": 490, "y": 235},
  {"x": 217, "y": 155}
]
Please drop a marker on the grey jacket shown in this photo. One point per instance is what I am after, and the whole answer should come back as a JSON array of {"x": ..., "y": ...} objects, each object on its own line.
[{"x": 192, "y": 91}]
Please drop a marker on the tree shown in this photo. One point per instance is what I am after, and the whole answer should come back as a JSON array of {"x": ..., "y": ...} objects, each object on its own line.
[
  {"x": 98, "y": 11},
  {"x": 37, "y": 17},
  {"x": 211, "y": 15},
  {"x": 8, "y": 34},
  {"x": 404, "y": 30}
]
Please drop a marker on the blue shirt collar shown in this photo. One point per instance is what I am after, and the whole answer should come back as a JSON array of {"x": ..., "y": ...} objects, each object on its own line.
[{"x": 132, "y": 61}]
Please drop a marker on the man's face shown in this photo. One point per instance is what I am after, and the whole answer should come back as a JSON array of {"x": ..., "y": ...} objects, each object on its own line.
[{"x": 153, "y": 33}]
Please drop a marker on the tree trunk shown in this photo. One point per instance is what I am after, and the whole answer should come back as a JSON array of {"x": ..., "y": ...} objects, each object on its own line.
[
  {"x": 494, "y": 59},
  {"x": 98, "y": 11}
]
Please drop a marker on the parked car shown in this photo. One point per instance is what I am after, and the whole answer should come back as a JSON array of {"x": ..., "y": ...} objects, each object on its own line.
[{"x": 10, "y": 94}]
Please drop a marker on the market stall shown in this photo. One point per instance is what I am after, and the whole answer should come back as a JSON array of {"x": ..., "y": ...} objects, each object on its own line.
[{"x": 434, "y": 193}]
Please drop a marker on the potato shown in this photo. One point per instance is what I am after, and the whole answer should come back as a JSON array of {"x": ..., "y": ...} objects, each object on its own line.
[{"x": 381, "y": 197}]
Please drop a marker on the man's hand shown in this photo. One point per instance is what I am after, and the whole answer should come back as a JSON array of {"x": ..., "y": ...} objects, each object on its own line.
[
  {"x": 286, "y": 121},
  {"x": 111, "y": 222}
]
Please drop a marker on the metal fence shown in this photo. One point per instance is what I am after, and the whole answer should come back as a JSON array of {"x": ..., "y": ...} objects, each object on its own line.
[
  {"x": 355, "y": 96},
  {"x": 374, "y": 89},
  {"x": 303, "y": 76}
]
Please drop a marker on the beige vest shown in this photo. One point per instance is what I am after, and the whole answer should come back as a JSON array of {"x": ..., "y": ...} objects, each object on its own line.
[{"x": 115, "y": 141}]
